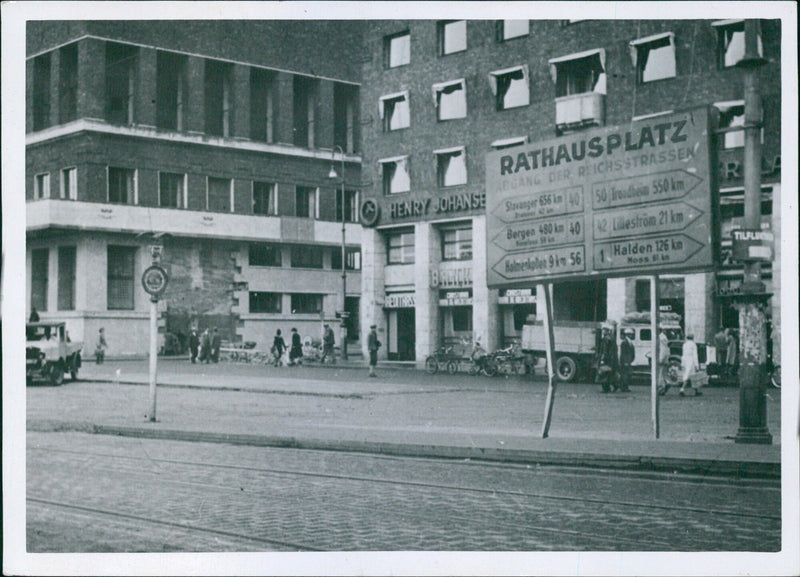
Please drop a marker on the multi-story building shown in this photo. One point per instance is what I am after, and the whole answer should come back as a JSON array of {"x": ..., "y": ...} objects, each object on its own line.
[
  {"x": 437, "y": 96},
  {"x": 176, "y": 134}
]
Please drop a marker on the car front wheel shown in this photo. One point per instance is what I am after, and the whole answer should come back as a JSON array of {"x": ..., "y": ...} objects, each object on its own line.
[{"x": 57, "y": 373}]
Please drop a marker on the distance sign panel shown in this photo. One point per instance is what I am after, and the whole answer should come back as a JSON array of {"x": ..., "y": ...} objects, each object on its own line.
[{"x": 613, "y": 201}]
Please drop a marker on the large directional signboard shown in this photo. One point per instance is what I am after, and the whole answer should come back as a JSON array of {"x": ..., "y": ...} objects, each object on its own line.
[{"x": 615, "y": 201}]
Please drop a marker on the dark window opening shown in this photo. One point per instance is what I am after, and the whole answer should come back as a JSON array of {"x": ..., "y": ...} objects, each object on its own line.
[
  {"x": 219, "y": 194},
  {"x": 171, "y": 91},
  {"x": 218, "y": 98},
  {"x": 304, "y": 103},
  {"x": 68, "y": 83},
  {"x": 580, "y": 301},
  {"x": 41, "y": 92},
  {"x": 66, "y": 278},
  {"x": 345, "y": 109},
  {"x": 305, "y": 198},
  {"x": 121, "y": 282},
  {"x": 352, "y": 259},
  {"x": 264, "y": 198},
  {"x": 306, "y": 256},
  {"x": 121, "y": 185},
  {"x": 265, "y": 254},
  {"x": 120, "y": 82},
  {"x": 303, "y": 303},
  {"x": 40, "y": 263},
  {"x": 350, "y": 206},
  {"x": 265, "y": 302},
  {"x": 262, "y": 105}
]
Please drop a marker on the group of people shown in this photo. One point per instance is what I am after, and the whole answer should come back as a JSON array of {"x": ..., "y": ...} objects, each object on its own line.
[
  {"x": 727, "y": 346},
  {"x": 278, "y": 349},
  {"x": 205, "y": 347}
]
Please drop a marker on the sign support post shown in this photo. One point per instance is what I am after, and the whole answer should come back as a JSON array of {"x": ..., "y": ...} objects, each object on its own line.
[
  {"x": 549, "y": 347},
  {"x": 153, "y": 355},
  {"x": 655, "y": 366}
]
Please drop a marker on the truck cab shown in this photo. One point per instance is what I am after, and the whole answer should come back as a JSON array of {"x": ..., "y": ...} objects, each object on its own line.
[{"x": 49, "y": 353}]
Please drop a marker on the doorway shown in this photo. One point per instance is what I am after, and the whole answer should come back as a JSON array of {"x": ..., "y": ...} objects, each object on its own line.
[{"x": 402, "y": 334}]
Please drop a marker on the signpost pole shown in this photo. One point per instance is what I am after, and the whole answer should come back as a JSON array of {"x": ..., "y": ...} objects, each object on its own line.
[
  {"x": 551, "y": 385},
  {"x": 153, "y": 355},
  {"x": 655, "y": 366}
]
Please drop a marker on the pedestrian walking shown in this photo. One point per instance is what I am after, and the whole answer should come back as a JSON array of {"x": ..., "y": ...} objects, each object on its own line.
[
  {"x": 194, "y": 345},
  {"x": 34, "y": 318},
  {"x": 663, "y": 356},
  {"x": 606, "y": 361},
  {"x": 721, "y": 346},
  {"x": 626, "y": 355},
  {"x": 296, "y": 350},
  {"x": 731, "y": 356},
  {"x": 205, "y": 347},
  {"x": 216, "y": 341},
  {"x": 373, "y": 344},
  {"x": 102, "y": 345},
  {"x": 328, "y": 342},
  {"x": 691, "y": 365},
  {"x": 278, "y": 346}
]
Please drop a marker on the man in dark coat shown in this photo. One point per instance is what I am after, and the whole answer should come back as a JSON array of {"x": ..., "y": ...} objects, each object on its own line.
[
  {"x": 626, "y": 355},
  {"x": 373, "y": 344},
  {"x": 216, "y": 340},
  {"x": 296, "y": 350},
  {"x": 606, "y": 360},
  {"x": 328, "y": 341},
  {"x": 194, "y": 345},
  {"x": 205, "y": 347}
]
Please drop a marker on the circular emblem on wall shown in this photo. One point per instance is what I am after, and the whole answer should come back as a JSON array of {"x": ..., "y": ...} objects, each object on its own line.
[
  {"x": 369, "y": 212},
  {"x": 154, "y": 280}
]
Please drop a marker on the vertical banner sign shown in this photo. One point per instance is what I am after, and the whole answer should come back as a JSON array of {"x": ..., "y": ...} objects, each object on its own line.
[{"x": 614, "y": 201}]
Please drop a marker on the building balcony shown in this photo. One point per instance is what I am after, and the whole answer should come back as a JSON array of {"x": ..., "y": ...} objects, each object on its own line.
[
  {"x": 93, "y": 216},
  {"x": 579, "y": 110}
]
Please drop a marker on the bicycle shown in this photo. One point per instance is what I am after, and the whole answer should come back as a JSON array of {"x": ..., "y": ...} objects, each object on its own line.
[{"x": 441, "y": 359}]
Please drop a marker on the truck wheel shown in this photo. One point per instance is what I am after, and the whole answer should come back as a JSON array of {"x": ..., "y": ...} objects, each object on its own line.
[
  {"x": 566, "y": 369},
  {"x": 73, "y": 367},
  {"x": 57, "y": 373}
]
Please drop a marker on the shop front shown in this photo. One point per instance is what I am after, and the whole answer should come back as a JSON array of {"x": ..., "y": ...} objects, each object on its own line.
[
  {"x": 516, "y": 305},
  {"x": 401, "y": 326}
]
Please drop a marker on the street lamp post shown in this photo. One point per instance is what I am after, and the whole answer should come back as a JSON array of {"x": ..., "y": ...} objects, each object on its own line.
[{"x": 332, "y": 174}]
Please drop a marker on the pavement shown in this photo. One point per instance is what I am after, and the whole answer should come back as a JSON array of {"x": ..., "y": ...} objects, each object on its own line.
[{"x": 407, "y": 412}]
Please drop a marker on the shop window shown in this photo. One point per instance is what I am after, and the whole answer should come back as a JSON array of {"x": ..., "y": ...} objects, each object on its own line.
[
  {"x": 68, "y": 83},
  {"x": 731, "y": 114},
  {"x": 121, "y": 185},
  {"x": 218, "y": 98},
  {"x": 580, "y": 301},
  {"x": 120, "y": 82},
  {"x": 69, "y": 183},
  {"x": 262, "y": 105},
  {"x": 397, "y": 49},
  {"x": 510, "y": 87},
  {"x": 521, "y": 314},
  {"x": 400, "y": 247},
  {"x": 350, "y": 205},
  {"x": 265, "y": 198},
  {"x": 452, "y": 36},
  {"x": 457, "y": 243},
  {"x": 264, "y": 302},
  {"x": 306, "y": 256},
  {"x": 41, "y": 91},
  {"x": 41, "y": 183},
  {"x": 304, "y": 104},
  {"x": 654, "y": 57},
  {"x": 345, "y": 109},
  {"x": 40, "y": 265},
  {"x": 395, "y": 175},
  {"x": 305, "y": 198},
  {"x": 66, "y": 278},
  {"x": 509, "y": 142},
  {"x": 451, "y": 167},
  {"x": 508, "y": 29},
  {"x": 219, "y": 194},
  {"x": 730, "y": 42},
  {"x": 352, "y": 259},
  {"x": 172, "y": 190},
  {"x": 303, "y": 303},
  {"x": 264, "y": 254},
  {"x": 120, "y": 277},
  {"x": 450, "y": 99},
  {"x": 171, "y": 91},
  {"x": 462, "y": 318},
  {"x": 394, "y": 111}
]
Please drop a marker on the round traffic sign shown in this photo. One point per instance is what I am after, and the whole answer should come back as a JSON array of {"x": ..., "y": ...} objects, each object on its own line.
[{"x": 154, "y": 280}]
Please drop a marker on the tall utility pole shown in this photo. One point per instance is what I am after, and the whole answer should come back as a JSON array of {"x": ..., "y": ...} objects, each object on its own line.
[
  {"x": 753, "y": 299},
  {"x": 343, "y": 311}
]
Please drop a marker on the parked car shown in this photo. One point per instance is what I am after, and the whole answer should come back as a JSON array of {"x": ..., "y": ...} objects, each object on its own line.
[{"x": 49, "y": 353}]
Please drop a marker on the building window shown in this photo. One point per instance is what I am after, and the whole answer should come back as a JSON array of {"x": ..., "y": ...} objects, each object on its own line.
[
  {"x": 521, "y": 314},
  {"x": 68, "y": 83},
  {"x": 264, "y": 302},
  {"x": 452, "y": 36},
  {"x": 121, "y": 263},
  {"x": 171, "y": 91},
  {"x": 40, "y": 264},
  {"x": 121, "y": 185},
  {"x": 345, "y": 108},
  {"x": 306, "y": 256},
  {"x": 350, "y": 205},
  {"x": 69, "y": 183},
  {"x": 264, "y": 254},
  {"x": 394, "y": 111},
  {"x": 303, "y": 303},
  {"x": 41, "y": 91},
  {"x": 41, "y": 183},
  {"x": 510, "y": 87},
  {"x": 509, "y": 142},
  {"x": 457, "y": 243},
  {"x": 219, "y": 194},
  {"x": 66, "y": 278},
  {"x": 400, "y": 247},
  {"x": 397, "y": 49},
  {"x": 508, "y": 29},
  {"x": 171, "y": 190},
  {"x": 352, "y": 259},
  {"x": 120, "y": 82},
  {"x": 262, "y": 105},
  {"x": 730, "y": 42},
  {"x": 579, "y": 73},
  {"x": 462, "y": 318},
  {"x": 265, "y": 198},
  {"x": 304, "y": 103},
  {"x": 731, "y": 114},
  {"x": 451, "y": 167},
  {"x": 305, "y": 199},
  {"x": 450, "y": 99},
  {"x": 654, "y": 57},
  {"x": 218, "y": 98},
  {"x": 395, "y": 175}
]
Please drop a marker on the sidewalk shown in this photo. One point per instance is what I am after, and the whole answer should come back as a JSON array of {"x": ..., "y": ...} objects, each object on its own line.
[{"x": 409, "y": 413}]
